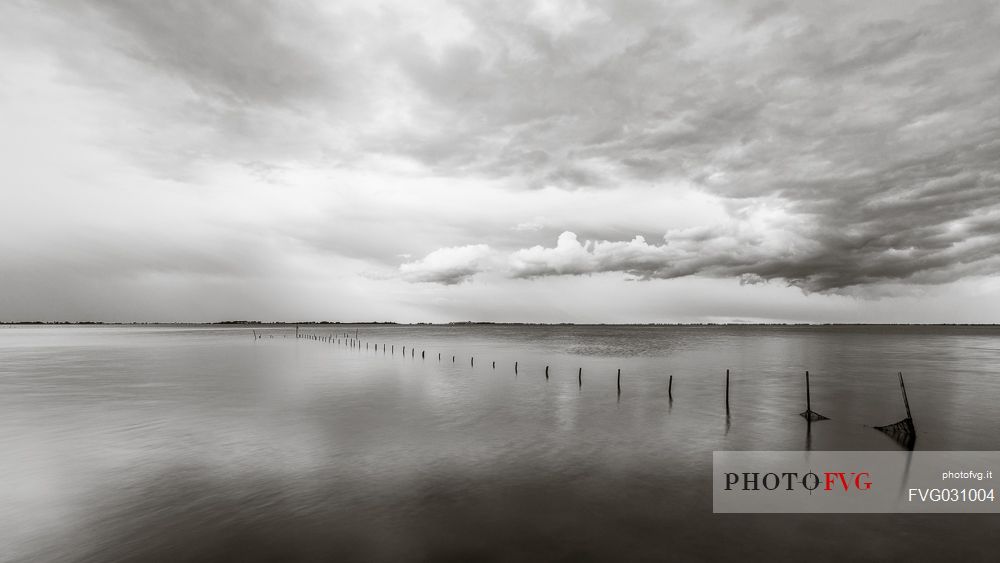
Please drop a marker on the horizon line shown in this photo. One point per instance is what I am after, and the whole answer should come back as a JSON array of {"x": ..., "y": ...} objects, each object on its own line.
[{"x": 454, "y": 323}]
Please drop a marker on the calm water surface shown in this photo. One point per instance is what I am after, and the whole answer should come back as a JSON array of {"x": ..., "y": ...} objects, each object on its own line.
[{"x": 195, "y": 443}]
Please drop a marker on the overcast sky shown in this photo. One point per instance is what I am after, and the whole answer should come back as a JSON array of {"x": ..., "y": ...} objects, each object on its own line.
[{"x": 617, "y": 161}]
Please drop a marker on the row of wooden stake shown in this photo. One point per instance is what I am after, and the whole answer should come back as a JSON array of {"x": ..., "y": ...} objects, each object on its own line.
[{"x": 903, "y": 431}]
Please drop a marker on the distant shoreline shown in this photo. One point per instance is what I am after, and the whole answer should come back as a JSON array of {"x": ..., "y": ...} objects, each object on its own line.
[{"x": 457, "y": 323}]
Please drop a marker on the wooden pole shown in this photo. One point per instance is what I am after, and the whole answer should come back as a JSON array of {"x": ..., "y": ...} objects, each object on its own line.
[
  {"x": 727, "y": 391},
  {"x": 808, "y": 401},
  {"x": 546, "y": 373},
  {"x": 670, "y": 388},
  {"x": 472, "y": 362},
  {"x": 515, "y": 368},
  {"x": 619, "y": 381},
  {"x": 579, "y": 377},
  {"x": 494, "y": 365}
]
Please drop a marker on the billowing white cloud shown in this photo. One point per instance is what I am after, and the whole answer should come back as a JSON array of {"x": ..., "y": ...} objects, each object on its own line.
[
  {"x": 448, "y": 266},
  {"x": 735, "y": 250},
  {"x": 753, "y": 251},
  {"x": 570, "y": 256}
]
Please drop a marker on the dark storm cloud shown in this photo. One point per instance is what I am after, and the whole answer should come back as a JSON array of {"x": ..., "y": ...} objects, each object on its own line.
[{"x": 875, "y": 127}]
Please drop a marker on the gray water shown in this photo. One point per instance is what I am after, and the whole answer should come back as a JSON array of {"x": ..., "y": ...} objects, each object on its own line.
[{"x": 200, "y": 443}]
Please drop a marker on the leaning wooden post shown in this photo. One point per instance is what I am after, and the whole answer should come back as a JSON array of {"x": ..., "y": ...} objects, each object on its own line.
[
  {"x": 579, "y": 377},
  {"x": 906, "y": 403},
  {"x": 619, "y": 381},
  {"x": 494, "y": 365},
  {"x": 546, "y": 373},
  {"x": 727, "y": 391},
  {"x": 903, "y": 431},
  {"x": 515, "y": 368},
  {"x": 670, "y": 388}
]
